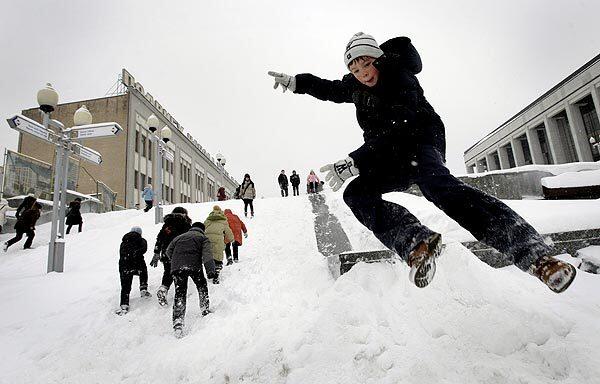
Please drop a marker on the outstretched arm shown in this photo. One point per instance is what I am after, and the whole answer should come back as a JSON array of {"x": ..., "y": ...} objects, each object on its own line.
[{"x": 338, "y": 91}]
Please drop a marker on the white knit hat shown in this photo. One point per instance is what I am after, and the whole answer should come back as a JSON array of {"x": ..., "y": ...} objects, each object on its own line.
[{"x": 361, "y": 44}]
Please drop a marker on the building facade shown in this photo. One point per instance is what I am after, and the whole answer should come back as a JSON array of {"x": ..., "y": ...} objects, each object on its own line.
[
  {"x": 129, "y": 159},
  {"x": 561, "y": 126}
]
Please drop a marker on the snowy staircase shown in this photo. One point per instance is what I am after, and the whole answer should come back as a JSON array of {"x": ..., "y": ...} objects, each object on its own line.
[{"x": 333, "y": 243}]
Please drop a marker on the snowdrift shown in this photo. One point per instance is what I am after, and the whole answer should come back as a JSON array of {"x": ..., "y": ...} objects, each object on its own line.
[{"x": 279, "y": 316}]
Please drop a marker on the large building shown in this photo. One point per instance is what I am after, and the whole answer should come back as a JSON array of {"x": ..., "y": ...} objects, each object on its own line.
[
  {"x": 129, "y": 159},
  {"x": 556, "y": 128}
]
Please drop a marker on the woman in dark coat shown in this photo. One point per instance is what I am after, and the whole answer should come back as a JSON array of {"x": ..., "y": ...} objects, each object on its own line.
[
  {"x": 25, "y": 225},
  {"x": 74, "y": 215}
]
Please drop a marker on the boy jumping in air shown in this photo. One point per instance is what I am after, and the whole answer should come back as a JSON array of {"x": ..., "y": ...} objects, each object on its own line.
[{"x": 405, "y": 144}]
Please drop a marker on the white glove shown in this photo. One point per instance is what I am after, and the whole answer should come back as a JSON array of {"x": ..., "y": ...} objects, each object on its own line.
[
  {"x": 286, "y": 81},
  {"x": 339, "y": 172}
]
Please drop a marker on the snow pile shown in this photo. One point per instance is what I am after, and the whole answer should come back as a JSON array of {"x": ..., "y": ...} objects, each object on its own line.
[
  {"x": 573, "y": 179},
  {"x": 555, "y": 169},
  {"x": 280, "y": 317}
]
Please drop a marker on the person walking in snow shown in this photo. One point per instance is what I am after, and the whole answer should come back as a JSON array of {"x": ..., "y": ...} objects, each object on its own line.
[
  {"x": 295, "y": 181},
  {"x": 237, "y": 227},
  {"x": 248, "y": 194},
  {"x": 313, "y": 182},
  {"x": 74, "y": 215},
  {"x": 148, "y": 196},
  {"x": 174, "y": 224},
  {"x": 221, "y": 196},
  {"x": 187, "y": 253},
  {"x": 131, "y": 263},
  {"x": 25, "y": 225},
  {"x": 283, "y": 183},
  {"x": 405, "y": 144},
  {"x": 219, "y": 234},
  {"x": 27, "y": 203}
]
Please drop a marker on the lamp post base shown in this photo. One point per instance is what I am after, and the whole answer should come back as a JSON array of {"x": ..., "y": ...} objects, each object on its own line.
[
  {"x": 158, "y": 214},
  {"x": 56, "y": 259}
]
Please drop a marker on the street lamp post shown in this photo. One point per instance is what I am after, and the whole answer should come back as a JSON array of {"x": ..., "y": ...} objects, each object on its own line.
[
  {"x": 161, "y": 152},
  {"x": 221, "y": 161},
  {"x": 65, "y": 143}
]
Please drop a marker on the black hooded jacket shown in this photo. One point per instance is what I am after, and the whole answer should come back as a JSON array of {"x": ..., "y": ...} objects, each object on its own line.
[
  {"x": 401, "y": 121},
  {"x": 174, "y": 225},
  {"x": 131, "y": 252}
]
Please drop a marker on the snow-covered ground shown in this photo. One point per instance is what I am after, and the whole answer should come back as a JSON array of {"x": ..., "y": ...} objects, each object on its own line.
[{"x": 281, "y": 318}]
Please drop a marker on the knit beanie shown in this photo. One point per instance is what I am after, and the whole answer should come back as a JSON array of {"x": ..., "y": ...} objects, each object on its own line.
[
  {"x": 136, "y": 229},
  {"x": 359, "y": 45}
]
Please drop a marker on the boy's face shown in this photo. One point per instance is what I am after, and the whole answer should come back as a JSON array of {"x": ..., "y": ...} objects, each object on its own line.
[{"x": 364, "y": 71}]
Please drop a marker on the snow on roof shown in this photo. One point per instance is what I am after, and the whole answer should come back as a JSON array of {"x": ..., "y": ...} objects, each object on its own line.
[
  {"x": 572, "y": 179},
  {"x": 555, "y": 169}
]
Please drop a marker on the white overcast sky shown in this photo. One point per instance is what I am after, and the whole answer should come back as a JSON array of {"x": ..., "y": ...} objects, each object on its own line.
[{"x": 206, "y": 62}]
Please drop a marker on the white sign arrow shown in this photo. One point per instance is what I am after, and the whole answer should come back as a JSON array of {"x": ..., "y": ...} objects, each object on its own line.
[
  {"x": 169, "y": 156},
  {"x": 88, "y": 154},
  {"x": 96, "y": 130},
  {"x": 26, "y": 125}
]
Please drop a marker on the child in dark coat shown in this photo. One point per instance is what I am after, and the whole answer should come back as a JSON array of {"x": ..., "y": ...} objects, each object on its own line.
[
  {"x": 131, "y": 262},
  {"x": 404, "y": 145},
  {"x": 175, "y": 223},
  {"x": 187, "y": 253},
  {"x": 74, "y": 215},
  {"x": 26, "y": 225}
]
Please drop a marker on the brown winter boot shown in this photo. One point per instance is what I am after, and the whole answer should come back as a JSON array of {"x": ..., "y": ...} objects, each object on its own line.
[
  {"x": 421, "y": 260},
  {"x": 556, "y": 274}
]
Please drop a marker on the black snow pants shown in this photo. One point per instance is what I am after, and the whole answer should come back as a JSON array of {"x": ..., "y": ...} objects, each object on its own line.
[
  {"x": 487, "y": 218},
  {"x": 284, "y": 191},
  {"x": 127, "y": 280},
  {"x": 181, "y": 281},
  {"x": 228, "y": 246},
  {"x": 295, "y": 190},
  {"x": 248, "y": 202},
  {"x": 30, "y": 235},
  {"x": 167, "y": 278}
]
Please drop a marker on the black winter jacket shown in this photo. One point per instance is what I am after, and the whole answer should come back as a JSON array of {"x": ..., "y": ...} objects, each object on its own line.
[
  {"x": 401, "y": 120},
  {"x": 174, "y": 225},
  {"x": 74, "y": 213},
  {"x": 27, "y": 203},
  {"x": 295, "y": 180},
  {"x": 282, "y": 180},
  {"x": 133, "y": 247},
  {"x": 190, "y": 250},
  {"x": 27, "y": 220}
]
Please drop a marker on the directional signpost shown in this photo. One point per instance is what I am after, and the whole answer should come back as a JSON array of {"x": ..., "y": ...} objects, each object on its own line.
[
  {"x": 26, "y": 125},
  {"x": 65, "y": 143},
  {"x": 96, "y": 130},
  {"x": 87, "y": 154}
]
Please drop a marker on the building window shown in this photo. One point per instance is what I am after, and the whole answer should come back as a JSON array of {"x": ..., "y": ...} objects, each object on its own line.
[
  {"x": 566, "y": 139},
  {"x": 591, "y": 124},
  {"x": 149, "y": 180},
  {"x": 525, "y": 147},
  {"x": 143, "y": 145},
  {"x": 135, "y": 179},
  {"x": 511, "y": 156},
  {"x": 137, "y": 141},
  {"x": 149, "y": 149},
  {"x": 545, "y": 148}
]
